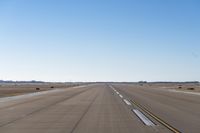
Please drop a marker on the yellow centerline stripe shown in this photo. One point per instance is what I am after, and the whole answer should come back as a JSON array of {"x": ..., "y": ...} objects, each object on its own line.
[{"x": 156, "y": 117}]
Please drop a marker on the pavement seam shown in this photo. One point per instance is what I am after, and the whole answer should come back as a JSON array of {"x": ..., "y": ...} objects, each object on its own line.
[
  {"x": 41, "y": 109},
  {"x": 81, "y": 118}
]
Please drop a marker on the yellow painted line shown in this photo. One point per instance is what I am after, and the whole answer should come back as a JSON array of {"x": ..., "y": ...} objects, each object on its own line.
[{"x": 174, "y": 130}]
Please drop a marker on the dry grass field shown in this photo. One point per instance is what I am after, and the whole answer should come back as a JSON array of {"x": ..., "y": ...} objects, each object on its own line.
[
  {"x": 190, "y": 87},
  {"x": 13, "y": 89}
]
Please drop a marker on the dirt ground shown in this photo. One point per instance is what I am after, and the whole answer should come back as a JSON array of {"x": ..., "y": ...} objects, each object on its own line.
[
  {"x": 13, "y": 89},
  {"x": 191, "y": 87}
]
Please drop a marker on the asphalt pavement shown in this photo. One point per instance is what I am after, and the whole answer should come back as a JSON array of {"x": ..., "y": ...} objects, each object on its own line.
[{"x": 100, "y": 108}]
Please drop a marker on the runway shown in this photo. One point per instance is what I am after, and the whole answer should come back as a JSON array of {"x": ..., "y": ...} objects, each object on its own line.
[
  {"x": 99, "y": 108},
  {"x": 178, "y": 109}
]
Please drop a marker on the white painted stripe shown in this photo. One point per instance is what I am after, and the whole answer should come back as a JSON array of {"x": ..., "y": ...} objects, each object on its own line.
[
  {"x": 83, "y": 86},
  {"x": 111, "y": 87},
  {"x": 12, "y": 98},
  {"x": 80, "y": 86},
  {"x": 127, "y": 102},
  {"x": 120, "y": 96},
  {"x": 114, "y": 89},
  {"x": 143, "y": 118},
  {"x": 185, "y": 92}
]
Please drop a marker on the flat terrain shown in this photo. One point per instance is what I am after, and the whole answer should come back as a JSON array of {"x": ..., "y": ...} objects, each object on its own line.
[
  {"x": 177, "y": 107},
  {"x": 14, "y": 89},
  {"x": 101, "y": 108}
]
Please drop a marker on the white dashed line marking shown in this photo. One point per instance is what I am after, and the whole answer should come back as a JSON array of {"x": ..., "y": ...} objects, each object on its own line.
[
  {"x": 127, "y": 102},
  {"x": 112, "y": 87}
]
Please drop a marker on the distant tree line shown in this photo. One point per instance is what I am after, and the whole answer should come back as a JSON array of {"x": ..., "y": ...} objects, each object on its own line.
[{"x": 10, "y": 81}]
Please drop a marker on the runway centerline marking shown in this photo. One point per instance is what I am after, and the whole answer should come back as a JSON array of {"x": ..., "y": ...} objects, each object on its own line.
[
  {"x": 127, "y": 102},
  {"x": 120, "y": 96}
]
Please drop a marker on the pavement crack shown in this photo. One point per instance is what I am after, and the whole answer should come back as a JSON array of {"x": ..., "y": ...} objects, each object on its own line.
[{"x": 83, "y": 115}]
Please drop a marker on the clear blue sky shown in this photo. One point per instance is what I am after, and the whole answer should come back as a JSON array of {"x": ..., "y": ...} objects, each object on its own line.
[{"x": 100, "y": 40}]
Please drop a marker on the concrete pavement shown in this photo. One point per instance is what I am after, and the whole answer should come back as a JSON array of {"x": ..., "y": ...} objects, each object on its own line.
[{"x": 95, "y": 108}]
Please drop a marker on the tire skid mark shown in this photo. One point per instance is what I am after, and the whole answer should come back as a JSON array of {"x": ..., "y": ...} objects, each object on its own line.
[{"x": 44, "y": 108}]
